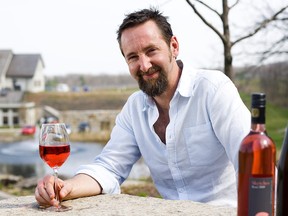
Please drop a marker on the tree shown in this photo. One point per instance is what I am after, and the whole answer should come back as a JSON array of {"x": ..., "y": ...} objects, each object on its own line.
[
  {"x": 278, "y": 46},
  {"x": 225, "y": 33}
]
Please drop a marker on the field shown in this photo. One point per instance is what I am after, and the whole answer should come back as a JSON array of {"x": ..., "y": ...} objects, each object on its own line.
[{"x": 100, "y": 99}]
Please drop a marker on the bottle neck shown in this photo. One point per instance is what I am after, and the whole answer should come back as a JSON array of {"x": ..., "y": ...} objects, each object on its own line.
[
  {"x": 258, "y": 119},
  {"x": 258, "y": 127}
]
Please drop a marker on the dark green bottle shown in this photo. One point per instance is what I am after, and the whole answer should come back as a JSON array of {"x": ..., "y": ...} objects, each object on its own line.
[{"x": 282, "y": 181}]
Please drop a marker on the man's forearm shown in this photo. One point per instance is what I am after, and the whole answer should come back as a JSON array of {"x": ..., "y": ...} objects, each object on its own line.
[{"x": 82, "y": 186}]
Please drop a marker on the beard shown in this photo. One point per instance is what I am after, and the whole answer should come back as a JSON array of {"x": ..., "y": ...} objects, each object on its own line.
[{"x": 153, "y": 87}]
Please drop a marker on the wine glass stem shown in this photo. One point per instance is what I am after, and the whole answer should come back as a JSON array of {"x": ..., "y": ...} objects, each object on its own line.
[{"x": 56, "y": 187}]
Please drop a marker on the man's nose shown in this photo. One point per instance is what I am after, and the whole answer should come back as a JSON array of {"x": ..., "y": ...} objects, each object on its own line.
[{"x": 145, "y": 63}]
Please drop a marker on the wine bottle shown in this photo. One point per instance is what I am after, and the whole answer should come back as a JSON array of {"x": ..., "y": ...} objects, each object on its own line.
[
  {"x": 257, "y": 162},
  {"x": 282, "y": 179}
]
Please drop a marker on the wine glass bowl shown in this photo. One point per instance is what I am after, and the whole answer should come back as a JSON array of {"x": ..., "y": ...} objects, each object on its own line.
[{"x": 54, "y": 149}]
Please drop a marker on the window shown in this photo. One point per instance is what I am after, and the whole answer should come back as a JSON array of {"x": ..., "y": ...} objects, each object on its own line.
[
  {"x": 15, "y": 120},
  {"x": 5, "y": 120},
  {"x": 105, "y": 125}
]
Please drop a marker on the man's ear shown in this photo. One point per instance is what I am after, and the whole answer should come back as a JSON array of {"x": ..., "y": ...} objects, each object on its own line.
[{"x": 174, "y": 46}]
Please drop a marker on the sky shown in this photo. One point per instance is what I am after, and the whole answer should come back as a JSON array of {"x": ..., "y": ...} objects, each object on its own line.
[{"x": 79, "y": 36}]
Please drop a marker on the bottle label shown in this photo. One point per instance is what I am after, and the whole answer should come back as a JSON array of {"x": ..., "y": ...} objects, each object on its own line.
[{"x": 260, "y": 196}]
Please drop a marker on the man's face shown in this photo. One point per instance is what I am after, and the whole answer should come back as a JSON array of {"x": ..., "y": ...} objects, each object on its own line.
[{"x": 148, "y": 56}]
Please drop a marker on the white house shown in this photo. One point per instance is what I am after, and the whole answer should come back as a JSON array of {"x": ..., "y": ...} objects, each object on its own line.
[{"x": 21, "y": 72}]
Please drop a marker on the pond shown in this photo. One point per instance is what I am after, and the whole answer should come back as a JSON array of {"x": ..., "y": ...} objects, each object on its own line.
[{"x": 22, "y": 158}]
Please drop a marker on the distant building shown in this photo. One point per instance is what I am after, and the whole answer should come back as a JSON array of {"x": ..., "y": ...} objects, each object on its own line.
[
  {"x": 21, "y": 72},
  {"x": 14, "y": 112}
]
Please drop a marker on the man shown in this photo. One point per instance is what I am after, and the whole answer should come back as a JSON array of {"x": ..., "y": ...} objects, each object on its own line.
[{"x": 186, "y": 123}]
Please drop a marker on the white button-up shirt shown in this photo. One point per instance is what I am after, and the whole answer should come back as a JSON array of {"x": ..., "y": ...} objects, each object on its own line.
[{"x": 199, "y": 162}]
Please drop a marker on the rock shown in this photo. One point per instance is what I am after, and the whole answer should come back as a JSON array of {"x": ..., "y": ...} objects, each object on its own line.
[
  {"x": 7, "y": 179},
  {"x": 4, "y": 195},
  {"x": 27, "y": 183},
  {"x": 116, "y": 205}
]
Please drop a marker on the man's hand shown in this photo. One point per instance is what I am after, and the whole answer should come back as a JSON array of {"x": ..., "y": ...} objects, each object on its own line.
[
  {"x": 80, "y": 185},
  {"x": 45, "y": 193}
]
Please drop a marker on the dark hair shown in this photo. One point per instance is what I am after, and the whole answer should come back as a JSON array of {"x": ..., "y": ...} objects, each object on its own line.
[{"x": 142, "y": 16}]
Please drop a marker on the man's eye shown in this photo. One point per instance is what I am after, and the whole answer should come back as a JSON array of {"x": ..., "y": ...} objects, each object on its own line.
[
  {"x": 131, "y": 58},
  {"x": 152, "y": 50}
]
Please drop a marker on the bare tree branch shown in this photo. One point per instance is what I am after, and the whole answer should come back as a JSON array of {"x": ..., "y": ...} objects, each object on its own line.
[
  {"x": 207, "y": 6},
  {"x": 233, "y": 5},
  {"x": 205, "y": 21},
  {"x": 276, "y": 24},
  {"x": 276, "y": 48},
  {"x": 261, "y": 26}
]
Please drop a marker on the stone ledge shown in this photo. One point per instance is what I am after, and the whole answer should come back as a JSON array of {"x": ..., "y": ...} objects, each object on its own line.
[{"x": 116, "y": 205}]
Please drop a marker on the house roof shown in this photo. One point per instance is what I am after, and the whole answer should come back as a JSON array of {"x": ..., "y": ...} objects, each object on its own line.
[
  {"x": 5, "y": 59},
  {"x": 23, "y": 65}
]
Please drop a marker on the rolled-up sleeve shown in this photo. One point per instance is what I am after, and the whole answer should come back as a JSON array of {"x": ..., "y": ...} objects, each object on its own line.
[{"x": 104, "y": 177}]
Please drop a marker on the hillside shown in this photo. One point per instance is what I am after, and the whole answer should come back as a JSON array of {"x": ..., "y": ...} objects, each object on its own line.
[{"x": 100, "y": 99}]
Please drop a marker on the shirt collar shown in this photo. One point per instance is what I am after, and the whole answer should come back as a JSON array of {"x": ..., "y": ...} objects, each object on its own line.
[
  {"x": 187, "y": 81},
  {"x": 148, "y": 102}
]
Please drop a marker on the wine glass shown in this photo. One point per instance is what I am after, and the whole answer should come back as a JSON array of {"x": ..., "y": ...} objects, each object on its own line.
[{"x": 54, "y": 149}]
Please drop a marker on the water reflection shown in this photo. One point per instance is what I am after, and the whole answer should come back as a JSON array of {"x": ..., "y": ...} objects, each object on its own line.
[{"x": 22, "y": 158}]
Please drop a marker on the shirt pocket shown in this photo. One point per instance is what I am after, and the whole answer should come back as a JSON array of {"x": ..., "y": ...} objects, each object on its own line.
[{"x": 204, "y": 149}]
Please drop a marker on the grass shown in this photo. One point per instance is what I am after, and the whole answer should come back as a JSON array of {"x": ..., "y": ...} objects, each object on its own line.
[
  {"x": 17, "y": 191},
  {"x": 142, "y": 188},
  {"x": 100, "y": 99}
]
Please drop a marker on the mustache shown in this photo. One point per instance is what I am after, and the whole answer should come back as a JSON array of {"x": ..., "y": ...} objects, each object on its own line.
[{"x": 151, "y": 70}]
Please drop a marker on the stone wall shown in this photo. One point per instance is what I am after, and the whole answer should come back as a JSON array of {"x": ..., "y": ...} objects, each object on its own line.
[{"x": 101, "y": 121}]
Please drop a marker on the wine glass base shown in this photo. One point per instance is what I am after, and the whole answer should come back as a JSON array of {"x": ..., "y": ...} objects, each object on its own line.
[{"x": 61, "y": 208}]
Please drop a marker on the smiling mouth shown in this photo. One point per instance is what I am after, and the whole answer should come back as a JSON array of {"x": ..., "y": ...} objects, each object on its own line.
[
  {"x": 152, "y": 75},
  {"x": 149, "y": 75}
]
